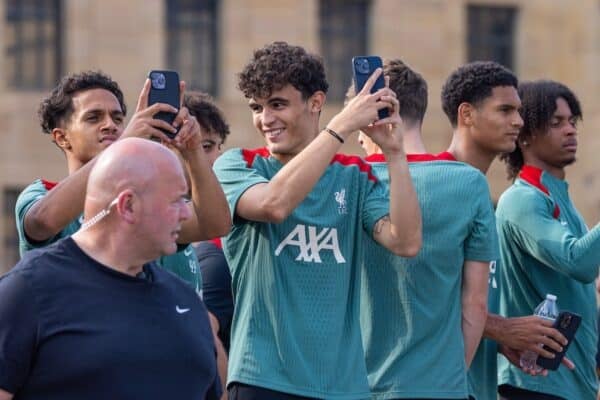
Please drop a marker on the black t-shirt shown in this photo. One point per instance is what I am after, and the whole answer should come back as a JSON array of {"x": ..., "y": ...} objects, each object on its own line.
[
  {"x": 216, "y": 287},
  {"x": 72, "y": 328}
]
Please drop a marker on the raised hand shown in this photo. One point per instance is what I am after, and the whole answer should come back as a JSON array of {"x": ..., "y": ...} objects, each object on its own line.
[
  {"x": 388, "y": 133},
  {"x": 189, "y": 138},
  {"x": 362, "y": 110},
  {"x": 144, "y": 125}
]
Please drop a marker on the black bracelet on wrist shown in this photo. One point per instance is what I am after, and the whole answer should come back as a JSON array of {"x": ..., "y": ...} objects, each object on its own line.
[{"x": 334, "y": 134}]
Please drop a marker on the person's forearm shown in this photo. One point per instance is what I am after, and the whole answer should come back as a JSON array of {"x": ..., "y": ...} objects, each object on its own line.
[
  {"x": 555, "y": 245},
  {"x": 474, "y": 295},
  {"x": 59, "y": 207},
  {"x": 212, "y": 217},
  {"x": 473, "y": 324},
  {"x": 581, "y": 256},
  {"x": 290, "y": 186},
  {"x": 405, "y": 213},
  {"x": 494, "y": 324}
]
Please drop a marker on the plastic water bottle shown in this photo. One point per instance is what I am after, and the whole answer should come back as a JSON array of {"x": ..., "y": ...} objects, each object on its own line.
[{"x": 547, "y": 309}]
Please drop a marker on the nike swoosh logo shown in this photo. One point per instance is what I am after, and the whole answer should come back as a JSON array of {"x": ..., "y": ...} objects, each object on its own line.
[
  {"x": 188, "y": 252},
  {"x": 181, "y": 310}
]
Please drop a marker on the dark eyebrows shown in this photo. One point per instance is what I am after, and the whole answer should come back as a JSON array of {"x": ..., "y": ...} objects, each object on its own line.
[
  {"x": 509, "y": 106},
  {"x": 99, "y": 111},
  {"x": 278, "y": 100}
]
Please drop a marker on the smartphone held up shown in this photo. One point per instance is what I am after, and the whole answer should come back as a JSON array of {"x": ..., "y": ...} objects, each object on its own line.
[
  {"x": 164, "y": 88},
  {"x": 362, "y": 68}
]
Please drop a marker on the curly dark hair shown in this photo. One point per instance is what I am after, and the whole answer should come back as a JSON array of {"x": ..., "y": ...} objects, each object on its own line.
[
  {"x": 57, "y": 108},
  {"x": 279, "y": 64},
  {"x": 209, "y": 116},
  {"x": 473, "y": 83},
  {"x": 538, "y": 105},
  {"x": 410, "y": 88}
]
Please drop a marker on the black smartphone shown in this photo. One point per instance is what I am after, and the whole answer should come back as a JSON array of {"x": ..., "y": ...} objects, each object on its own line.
[
  {"x": 164, "y": 88},
  {"x": 567, "y": 324},
  {"x": 362, "y": 68}
]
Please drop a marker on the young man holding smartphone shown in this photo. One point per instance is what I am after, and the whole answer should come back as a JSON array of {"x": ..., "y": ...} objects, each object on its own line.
[
  {"x": 300, "y": 210},
  {"x": 545, "y": 245},
  {"x": 85, "y": 114},
  {"x": 421, "y": 315}
]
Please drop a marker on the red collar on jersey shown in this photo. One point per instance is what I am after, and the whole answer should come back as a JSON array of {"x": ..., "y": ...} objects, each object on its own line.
[
  {"x": 343, "y": 159},
  {"x": 48, "y": 184},
  {"x": 533, "y": 176},
  {"x": 217, "y": 242},
  {"x": 443, "y": 156}
]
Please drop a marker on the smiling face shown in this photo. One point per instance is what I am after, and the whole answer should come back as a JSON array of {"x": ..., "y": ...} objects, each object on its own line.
[
  {"x": 287, "y": 122},
  {"x": 96, "y": 122},
  {"x": 496, "y": 121},
  {"x": 555, "y": 148}
]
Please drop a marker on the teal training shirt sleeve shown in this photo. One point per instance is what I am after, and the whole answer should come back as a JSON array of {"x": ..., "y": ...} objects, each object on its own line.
[
  {"x": 28, "y": 197},
  {"x": 482, "y": 242},
  {"x": 551, "y": 242},
  {"x": 236, "y": 176},
  {"x": 376, "y": 204}
]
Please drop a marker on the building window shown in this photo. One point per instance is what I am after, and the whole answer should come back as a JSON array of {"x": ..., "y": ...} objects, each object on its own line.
[
  {"x": 11, "y": 238},
  {"x": 192, "y": 38},
  {"x": 344, "y": 33},
  {"x": 32, "y": 36},
  {"x": 491, "y": 34}
]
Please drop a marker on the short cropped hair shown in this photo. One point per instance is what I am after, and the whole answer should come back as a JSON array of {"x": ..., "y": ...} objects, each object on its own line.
[
  {"x": 410, "y": 88},
  {"x": 472, "y": 83},
  {"x": 279, "y": 64},
  {"x": 538, "y": 105},
  {"x": 209, "y": 116},
  {"x": 57, "y": 108}
]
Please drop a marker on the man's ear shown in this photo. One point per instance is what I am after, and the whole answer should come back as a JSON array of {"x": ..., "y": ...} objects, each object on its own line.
[
  {"x": 316, "y": 101},
  {"x": 466, "y": 114},
  {"x": 128, "y": 206},
  {"x": 61, "y": 139}
]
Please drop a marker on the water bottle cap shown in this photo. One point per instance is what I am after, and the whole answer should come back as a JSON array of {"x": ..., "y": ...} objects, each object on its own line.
[{"x": 551, "y": 297}]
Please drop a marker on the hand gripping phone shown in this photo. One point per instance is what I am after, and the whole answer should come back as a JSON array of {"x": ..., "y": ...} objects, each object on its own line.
[
  {"x": 164, "y": 88},
  {"x": 567, "y": 324},
  {"x": 362, "y": 68}
]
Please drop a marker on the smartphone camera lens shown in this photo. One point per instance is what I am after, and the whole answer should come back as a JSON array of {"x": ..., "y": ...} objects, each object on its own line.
[
  {"x": 565, "y": 322},
  {"x": 362, "y": 66},
  {"x": 158, "y": 80}
]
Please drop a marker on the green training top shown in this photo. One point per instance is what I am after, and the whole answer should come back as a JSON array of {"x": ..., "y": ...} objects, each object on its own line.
[
  {"x": 296, "y": 284},
  {"x": 545, "y": 247},
  {"x": 411, "y": 312}
]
